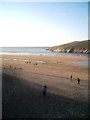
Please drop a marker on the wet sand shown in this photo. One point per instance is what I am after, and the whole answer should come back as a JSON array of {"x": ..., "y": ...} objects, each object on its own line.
[{"x": 23, "y": 81}]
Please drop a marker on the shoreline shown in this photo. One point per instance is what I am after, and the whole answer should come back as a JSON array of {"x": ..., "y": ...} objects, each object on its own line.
[
  {"x": 48, "y": 54},
  {"x": 28, "y": 54}
]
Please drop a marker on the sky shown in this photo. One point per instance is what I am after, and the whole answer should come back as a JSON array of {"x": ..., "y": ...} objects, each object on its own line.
[{"x": 42, "y": 23}]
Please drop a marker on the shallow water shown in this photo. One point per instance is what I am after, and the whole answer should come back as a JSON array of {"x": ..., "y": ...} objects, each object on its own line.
[
  {"x": 85, "y": 63},
  {"x": 41, "y": 51}
]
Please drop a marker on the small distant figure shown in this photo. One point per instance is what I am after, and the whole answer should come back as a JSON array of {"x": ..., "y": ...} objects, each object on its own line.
[
  {"x": 44, "y": 90},
  {"x": 15, "y": 67},
  {"x": 78, "y": 80},
  {"x": 71, "y": 77},
  {"x": 20, "y": 68},
  {"x": 10, "y": 66},
  {"x": 35, "y": 64},
  {"x": 30, "y": 62}
]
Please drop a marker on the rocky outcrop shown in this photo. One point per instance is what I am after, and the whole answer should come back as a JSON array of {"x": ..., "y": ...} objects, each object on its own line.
[{"x": 71, "y": 50}]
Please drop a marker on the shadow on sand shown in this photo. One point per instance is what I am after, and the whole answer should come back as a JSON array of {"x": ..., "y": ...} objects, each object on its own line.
[{"x": 21, "y": 99}]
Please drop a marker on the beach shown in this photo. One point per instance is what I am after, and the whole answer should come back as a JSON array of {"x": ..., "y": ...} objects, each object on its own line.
[{"x": 22, "y": 82}]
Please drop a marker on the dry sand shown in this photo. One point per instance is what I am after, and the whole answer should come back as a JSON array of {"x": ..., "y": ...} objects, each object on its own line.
[{"x": 55, "y": 72}]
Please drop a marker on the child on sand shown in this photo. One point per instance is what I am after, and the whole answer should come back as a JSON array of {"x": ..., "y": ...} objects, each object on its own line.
[{"x": 44, "y": 90}]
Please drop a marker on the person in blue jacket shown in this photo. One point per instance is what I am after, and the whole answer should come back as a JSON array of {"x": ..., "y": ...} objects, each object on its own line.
[{"x": 44, "y": 90}]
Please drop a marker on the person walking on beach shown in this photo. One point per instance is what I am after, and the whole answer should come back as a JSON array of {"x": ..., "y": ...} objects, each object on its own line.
[
  {"x": 36, "y": 64},
  {"x": 71, "y": 77},
  {"x": 78, "y": 80},
  {"x": 44, "y": 90}
]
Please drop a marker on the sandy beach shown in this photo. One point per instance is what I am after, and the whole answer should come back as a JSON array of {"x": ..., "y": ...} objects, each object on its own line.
[{"x": 53, "y": 71}]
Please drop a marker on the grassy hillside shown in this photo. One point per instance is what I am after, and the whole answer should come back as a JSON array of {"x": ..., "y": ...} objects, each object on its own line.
[{"x": 78, "y": 46}]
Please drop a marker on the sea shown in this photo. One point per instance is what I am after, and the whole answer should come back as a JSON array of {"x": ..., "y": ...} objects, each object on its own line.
[{"x": 42, "y": 51}]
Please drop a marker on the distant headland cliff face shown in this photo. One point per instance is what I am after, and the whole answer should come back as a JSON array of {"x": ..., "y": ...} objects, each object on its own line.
[{"x": 73, "y": 47}]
